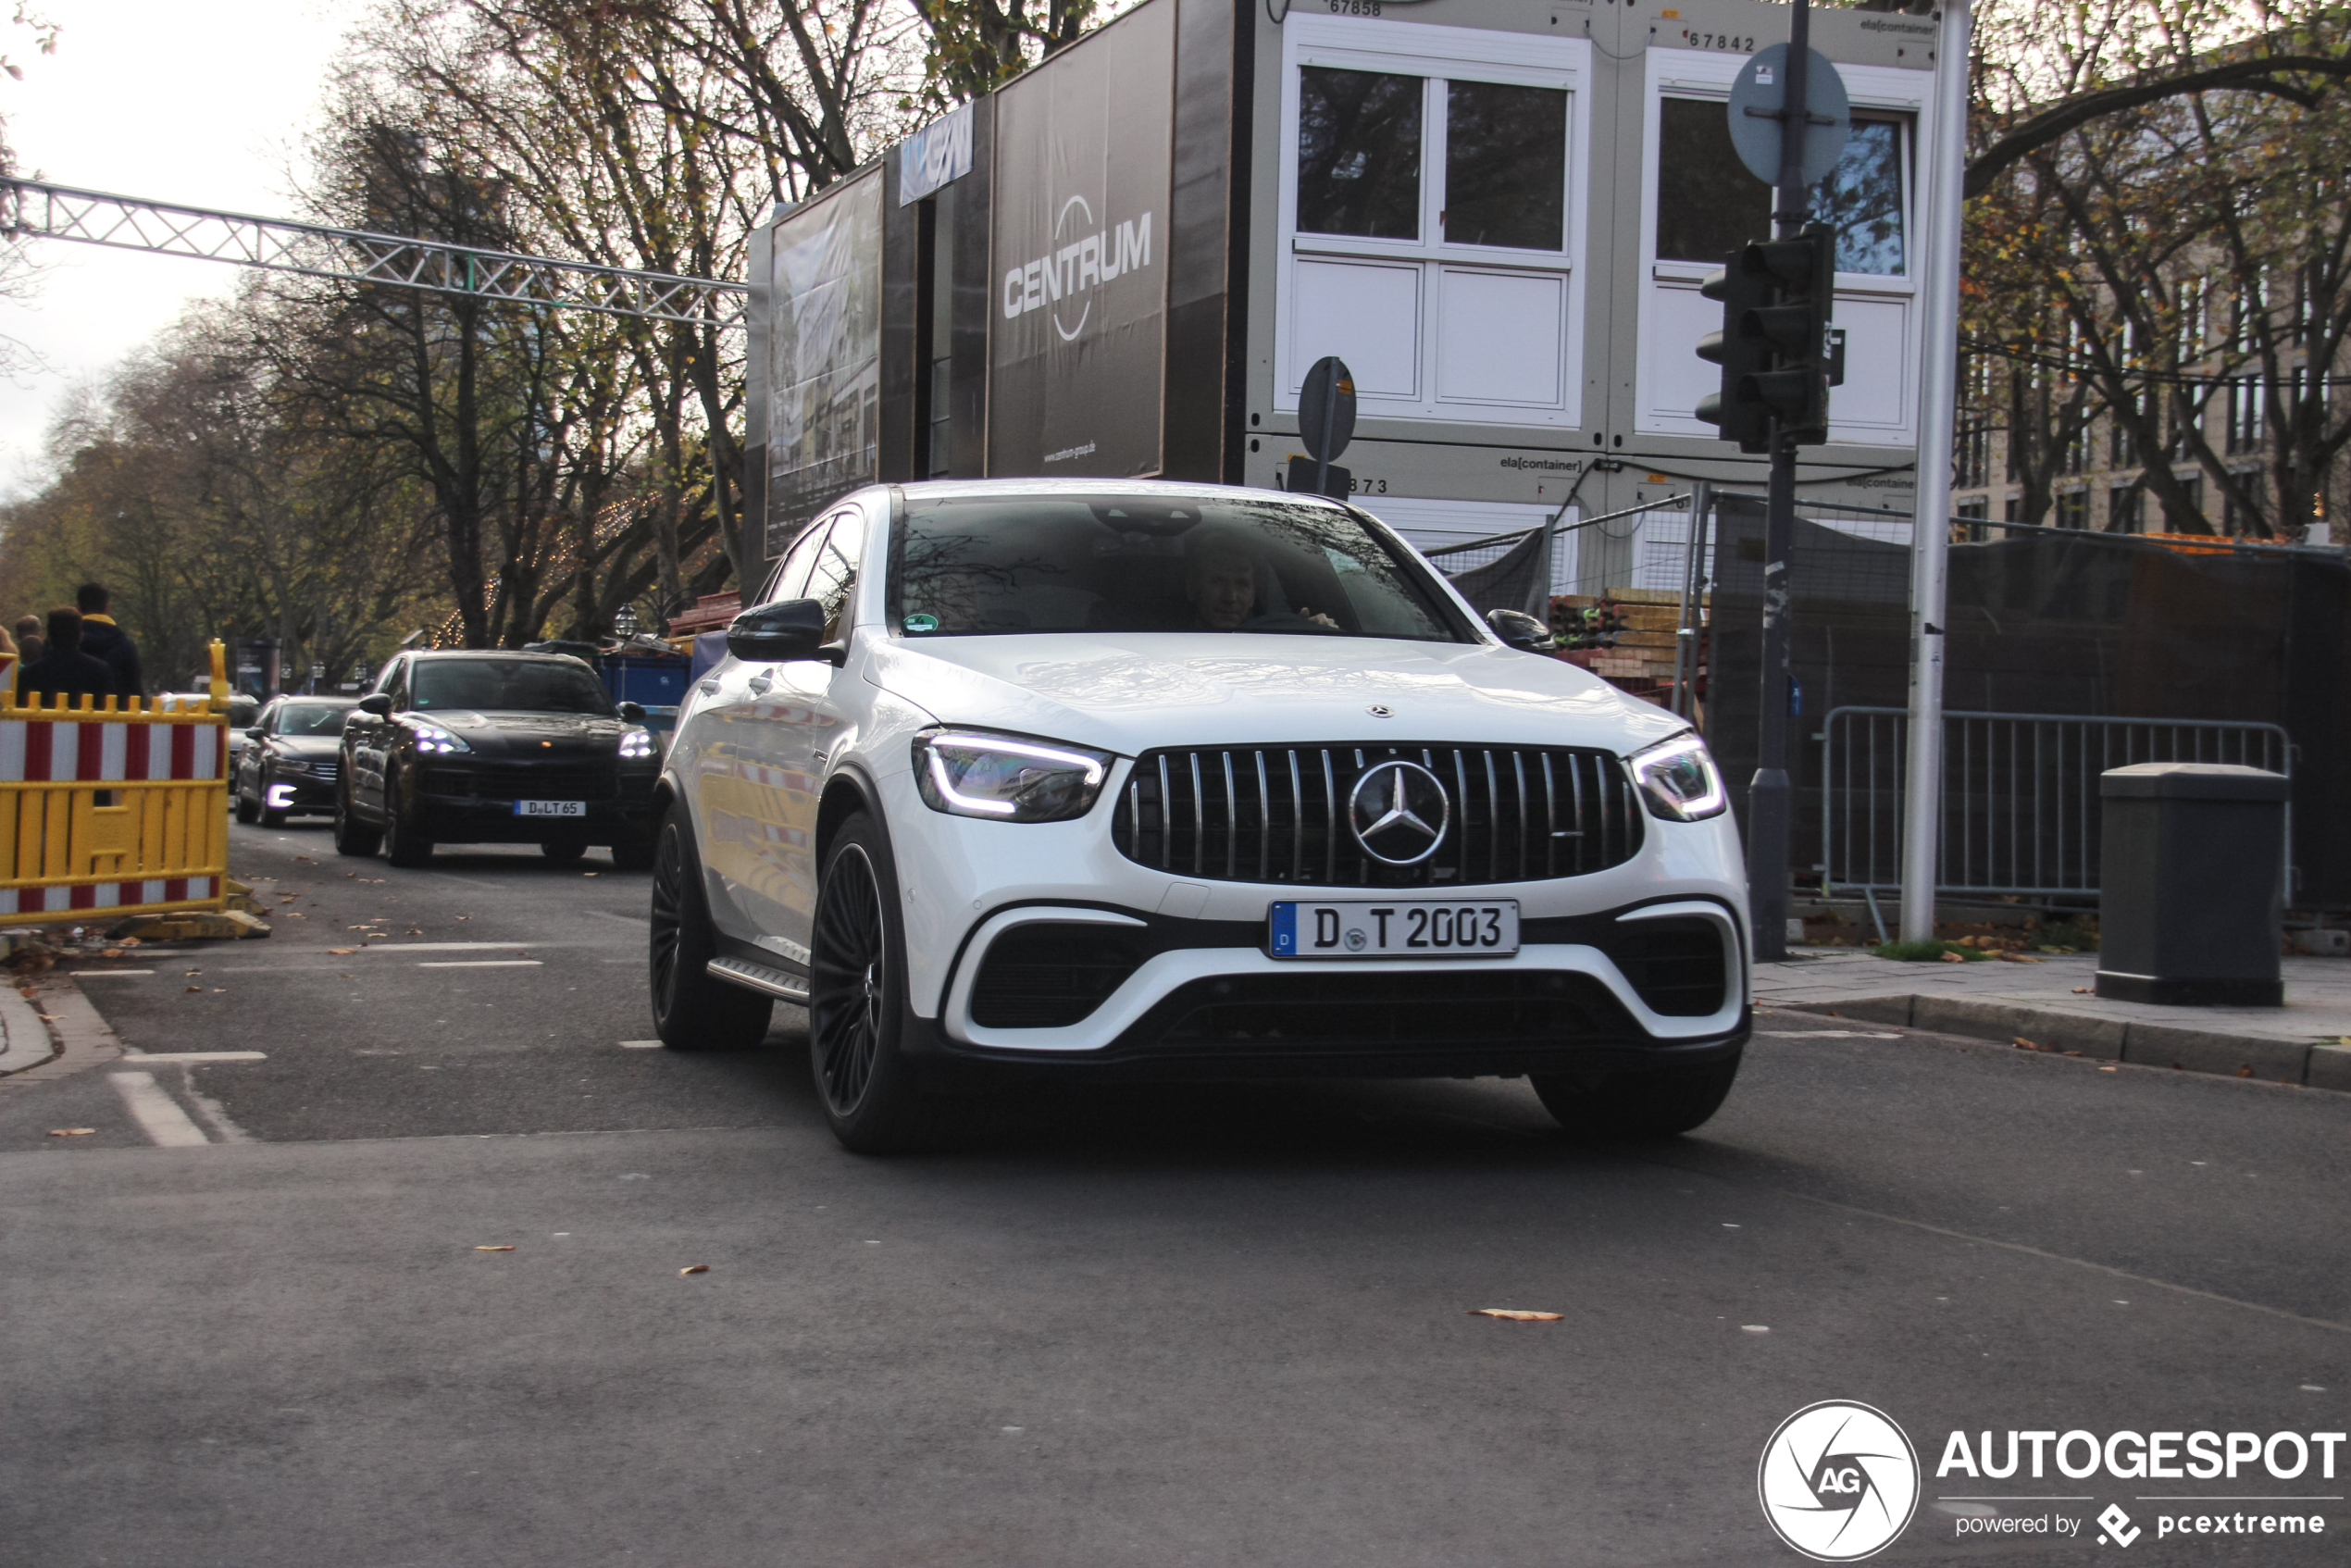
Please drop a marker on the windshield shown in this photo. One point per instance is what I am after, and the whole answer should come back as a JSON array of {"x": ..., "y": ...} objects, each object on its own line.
[
  {"x": 1008, "y": 563},
  {"x": 311, "y": 719},
  {"x": 512, "y": 685}
]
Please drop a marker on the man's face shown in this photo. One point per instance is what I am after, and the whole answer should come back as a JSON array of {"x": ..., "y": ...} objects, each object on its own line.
[{"x": 1224, "y": 591}]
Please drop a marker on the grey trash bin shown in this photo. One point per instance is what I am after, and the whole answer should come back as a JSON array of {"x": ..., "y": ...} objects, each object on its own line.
[{"x": 2191, "y": 898}]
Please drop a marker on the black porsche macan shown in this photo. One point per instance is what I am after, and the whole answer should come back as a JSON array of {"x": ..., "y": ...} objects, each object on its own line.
[{"x": 488, "y": 747}]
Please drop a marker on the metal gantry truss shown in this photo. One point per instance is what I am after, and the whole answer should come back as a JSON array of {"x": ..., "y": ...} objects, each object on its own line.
[{"x": 29, "y": 207}]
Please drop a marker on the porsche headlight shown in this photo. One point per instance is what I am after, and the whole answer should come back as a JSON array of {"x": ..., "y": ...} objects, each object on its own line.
[
  {"x": 1005, "y": 778},
  {"x": 291, "y": 764},
  {"x": 637, "y": 743},
  {"x": 433, "y": 738},
  {"x": 1678, "y": 779}
]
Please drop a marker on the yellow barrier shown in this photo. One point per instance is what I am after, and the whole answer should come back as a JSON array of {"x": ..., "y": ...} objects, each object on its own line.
[{"x": 113, "y": 808}]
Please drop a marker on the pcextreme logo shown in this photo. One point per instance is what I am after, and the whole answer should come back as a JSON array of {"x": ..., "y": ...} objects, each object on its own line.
[{"x": 1838, "y": 1481}]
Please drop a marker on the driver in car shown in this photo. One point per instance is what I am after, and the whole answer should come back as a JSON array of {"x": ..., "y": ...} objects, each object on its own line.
[{"x": 1220, "y": 581}]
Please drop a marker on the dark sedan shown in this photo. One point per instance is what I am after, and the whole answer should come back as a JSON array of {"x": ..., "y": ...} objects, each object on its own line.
[
  {"x": 488, "y": 747},
  {"x": 290, "y": 759}
]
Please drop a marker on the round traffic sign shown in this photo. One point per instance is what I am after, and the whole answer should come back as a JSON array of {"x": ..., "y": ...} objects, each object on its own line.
[{"x": 1756, "y": 98}]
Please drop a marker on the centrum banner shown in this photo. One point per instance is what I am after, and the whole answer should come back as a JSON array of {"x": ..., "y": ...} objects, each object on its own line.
[{"x": 1082, "y": 162}]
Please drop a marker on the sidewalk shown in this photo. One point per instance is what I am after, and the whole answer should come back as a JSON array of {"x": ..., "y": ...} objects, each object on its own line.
[{"x": 2047, "y": 1003}]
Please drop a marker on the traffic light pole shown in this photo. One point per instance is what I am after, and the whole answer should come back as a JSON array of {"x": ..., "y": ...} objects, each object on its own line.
[{"x": 1770, "y": 799}]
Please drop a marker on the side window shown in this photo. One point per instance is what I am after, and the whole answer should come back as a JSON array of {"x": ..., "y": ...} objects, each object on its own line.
[
  {"x": 790, "y": 581},
  {"x": 395, "y": 681},
  {"x": 834, "y": 579}
]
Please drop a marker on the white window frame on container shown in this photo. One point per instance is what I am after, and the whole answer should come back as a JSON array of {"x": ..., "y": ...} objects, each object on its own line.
[
  {"x": 1426, "y": 274},
  {"x": 1888, "y": 90}
]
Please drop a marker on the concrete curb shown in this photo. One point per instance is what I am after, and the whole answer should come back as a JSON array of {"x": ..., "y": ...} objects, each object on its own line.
[
  {"x": 2110, "y": 1040},
  {"x": 83, "y": 1038}
]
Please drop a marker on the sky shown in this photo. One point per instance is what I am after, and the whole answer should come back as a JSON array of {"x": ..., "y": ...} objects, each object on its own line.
[{"x": 199, "y": 102}]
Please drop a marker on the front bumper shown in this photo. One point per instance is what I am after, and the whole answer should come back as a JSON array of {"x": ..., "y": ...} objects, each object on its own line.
[
  {"x": 1119, "y": 993},
  {"x": 454, "y": 805},
  {"x": 297, "y": 792}
]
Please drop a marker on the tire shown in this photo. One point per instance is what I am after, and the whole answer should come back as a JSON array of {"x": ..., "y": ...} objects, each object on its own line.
[
  {"x": 354, "y": 837},
  {"x": 1661, "y": 1102},
  {"x": 692, "y": 1011},
  {"x": 633, "y": 854},
  {"x": 403, "y": 846},
  {"x": 261, "y": 809},
  {"x": 857, "y": 1000},
  {"x": 565, "y": 855},
  {"x": 248, "y": 812}
]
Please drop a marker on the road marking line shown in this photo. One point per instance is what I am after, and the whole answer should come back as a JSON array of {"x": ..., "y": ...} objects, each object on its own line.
[
  {"x": 175, "y": 1058},
  {"x": 484, "y": 964},
  {"x": 104, "y": 974},
  {"x": 158, "y": 1113},
  {"x": 640, "y": 1045}
]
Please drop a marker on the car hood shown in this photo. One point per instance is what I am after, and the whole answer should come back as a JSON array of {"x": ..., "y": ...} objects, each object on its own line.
[
  {"x": 317, "y": 747},
  {"x": 1130, "y": 693},
  {"x": 541, "y": 735}
]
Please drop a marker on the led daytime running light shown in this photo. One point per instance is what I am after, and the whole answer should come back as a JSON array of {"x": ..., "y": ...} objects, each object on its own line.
[{"x": 1656, "y": 769}]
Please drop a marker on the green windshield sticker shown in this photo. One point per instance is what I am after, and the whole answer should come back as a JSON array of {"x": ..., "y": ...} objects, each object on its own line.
[{"x": 922, "y": 623}]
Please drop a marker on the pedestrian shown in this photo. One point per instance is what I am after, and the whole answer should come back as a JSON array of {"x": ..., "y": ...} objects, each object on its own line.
[
  {"x": 11, "y": 662},
  {"x": 104, "y": 641},
  {"x": 65, "y": 670},
  {"x": 30, "y": 645}
]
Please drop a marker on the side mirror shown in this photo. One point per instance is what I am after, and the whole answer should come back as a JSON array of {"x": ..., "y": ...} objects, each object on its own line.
[
  {"x": 778, "y": 633},
  {"x": 1521, "y": 631},
  {"x": 632, "y": 711},
  {"x": 376, "y": 703},
  {"x": 256, "y": 733}
]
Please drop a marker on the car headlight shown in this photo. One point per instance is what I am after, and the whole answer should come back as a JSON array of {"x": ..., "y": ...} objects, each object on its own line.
[
  {"x": 290, "y": 765},
  {"x": 1005, "y": 778},
  {"x": 1678, "y": 779},
  {"x": 637, "y": 743},
  {"x": 433, "y": 738}
]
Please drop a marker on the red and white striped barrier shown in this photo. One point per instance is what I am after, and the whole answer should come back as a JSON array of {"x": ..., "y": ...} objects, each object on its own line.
[
  {"x": 106, "y": 895},
  {"x": 93, "y": 750}
]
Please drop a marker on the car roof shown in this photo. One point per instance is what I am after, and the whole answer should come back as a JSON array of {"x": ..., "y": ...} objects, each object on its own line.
[
  {"x": 510, "y": 656},
  {"x": 1166, "y": 490},
  {"x": 314, "y": 697}
]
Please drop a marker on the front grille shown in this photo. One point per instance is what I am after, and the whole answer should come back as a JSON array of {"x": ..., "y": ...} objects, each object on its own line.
[
  {"x": 509, "y": 781},
  {"x": 1279, "y": 814},
  {"x": 1330, "y": 1010},
  {"x": 1053, "y": 975}
]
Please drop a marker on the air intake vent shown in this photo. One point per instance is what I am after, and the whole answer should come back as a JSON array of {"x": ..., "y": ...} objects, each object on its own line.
[
  {"x": 1051, "y": 975},
  {"x": 1280, "y": 814},
  {"x": 1676, "y": 964}
]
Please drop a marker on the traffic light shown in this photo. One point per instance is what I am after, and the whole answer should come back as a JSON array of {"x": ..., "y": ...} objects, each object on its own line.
[
  {"x": 1744, "y": 419},
  {"x": 1775, "y": 346}
]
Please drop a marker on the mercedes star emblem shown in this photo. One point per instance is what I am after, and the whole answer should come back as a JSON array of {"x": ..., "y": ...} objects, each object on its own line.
[
  {"x": 1380, "y": 710},
  {"x": 1398, "y": 811}
]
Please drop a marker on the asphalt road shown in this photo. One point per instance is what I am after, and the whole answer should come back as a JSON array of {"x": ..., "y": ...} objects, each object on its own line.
[{"x": 1138, "y": 1326}]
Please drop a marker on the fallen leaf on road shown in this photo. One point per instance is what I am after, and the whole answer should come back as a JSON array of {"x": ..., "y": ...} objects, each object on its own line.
[
  {"x": 221, "y": 990},
  {"x": 2007, "y": 957},
  {"x": 2108, "y": 1069},
  {"x": 2084, "y": 990},
  {"x": 1512, "y": 1315},
  {"x": 71, "y": 1132},
  {"x": 1953, "y": 958},
  {"x": 343, "y": 952},
  {"x": 2244, "y": 1072},
  {"x": 586, "y": 873},
  {"x": 111, "y": 952},
  {"x": 506, "y": 1249},
  {"x": 695, "y": 1268},
  {"x": 195, "y": 988},
  {"x": 2023, "y": 1044}
]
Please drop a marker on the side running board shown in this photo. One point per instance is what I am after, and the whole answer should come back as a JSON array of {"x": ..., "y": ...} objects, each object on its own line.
[{"x": 760, "y": 978}]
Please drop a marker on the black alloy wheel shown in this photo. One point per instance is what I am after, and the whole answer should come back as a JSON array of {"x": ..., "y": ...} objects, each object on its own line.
[
  {"x": 354, "y": 837},
  {"x": 565, "y": 853},
  {"x": 691, "y": 1010},
  {"x": 261, "y": 780},
  {"x": 1661, "y": 1102},
  {"x": 857, "y": 998},
  {"x": 404, "y": 846}
]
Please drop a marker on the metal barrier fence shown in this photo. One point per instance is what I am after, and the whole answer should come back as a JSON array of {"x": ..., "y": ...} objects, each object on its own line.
[
  {"x": 121, "y": 808},
  {"x": 2020, "y": 803}
]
